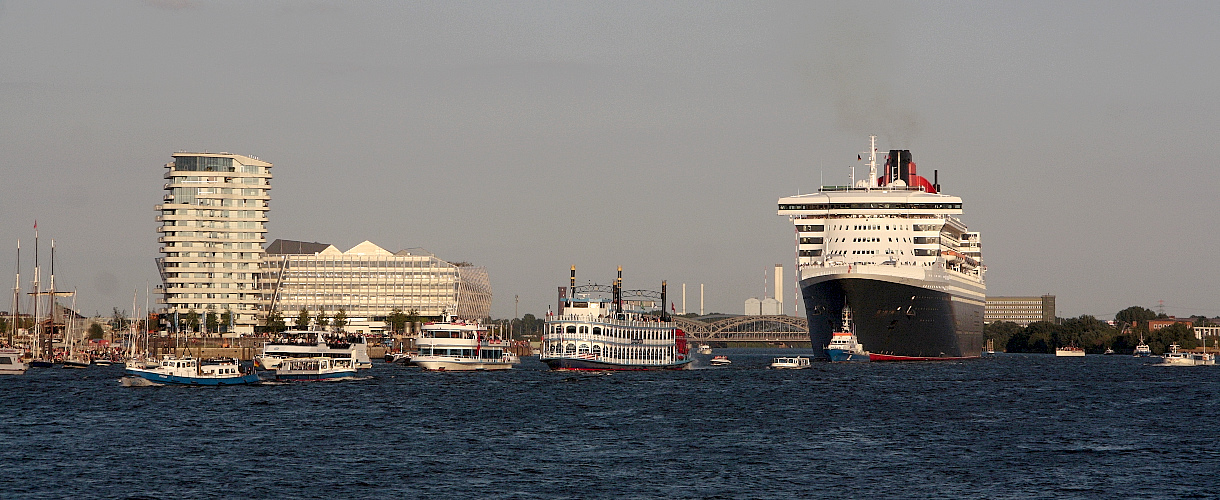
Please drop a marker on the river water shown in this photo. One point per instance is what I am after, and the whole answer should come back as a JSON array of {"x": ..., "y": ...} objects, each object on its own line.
[{"x": 1016, "y": 426}]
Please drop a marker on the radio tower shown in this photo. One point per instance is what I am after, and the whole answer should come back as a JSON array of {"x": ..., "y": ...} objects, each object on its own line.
[{"x": 1160, "y": 307}]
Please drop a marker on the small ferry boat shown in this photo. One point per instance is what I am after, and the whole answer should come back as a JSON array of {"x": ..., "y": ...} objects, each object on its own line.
[
  {"x": 192, "y": 371},
  {"x": 705, "y": 349},
  {"x": 461, "y": 346},
  {"x": 1069, "y": 351},
  {"x": 309, "y": 369},
  {"x": 12, "y": 362},
  {"x": 790, "y": 363},
  {"x": 1175, "y": 357},
  {"x": 721, "y": 361},
  {"x": 313, "y": 344},
  {"x": 629, "y": 330}
]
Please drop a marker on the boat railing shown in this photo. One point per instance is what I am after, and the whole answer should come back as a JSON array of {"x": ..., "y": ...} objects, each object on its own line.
[{"x": 609, "y": 321}]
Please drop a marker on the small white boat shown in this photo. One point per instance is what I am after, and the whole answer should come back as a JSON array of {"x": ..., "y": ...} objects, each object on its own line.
[
  {"x": 790, "y": 363},
  {"x": 1178, "y": 358},
  {"x": 705, "y": 349},
  {"x": 12, "y": 362},
  {"x": 721, "y": 361},
  {"x": 309, "y": 369},
  {"x": 1069, "y": 351}
]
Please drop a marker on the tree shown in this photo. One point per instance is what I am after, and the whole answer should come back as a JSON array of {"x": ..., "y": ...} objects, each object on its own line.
[
  {"x": 95, "y": 331},
  {"x": 321, "y": 319},
  {"x": 275, "y": 322},
  {"x": 212, "y": 322},
  {"x": 1177, "y": 333},
  {"x": 192, "y": 321},
  {"x": 226, "y": 319},
  {"x": 1135, "y": 316},
  {"x": 1001, "y": 332},
  {"x": 413, "y": 317},
  {"x": 397, "y": 320},
  {"x": 118, "y": 320},
  {"x": 302, "y": 319},
  {"x": 340, "y": 319}
]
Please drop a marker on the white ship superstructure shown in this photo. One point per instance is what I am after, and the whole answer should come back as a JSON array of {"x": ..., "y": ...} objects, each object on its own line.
[{"x": 892, "y": 249}]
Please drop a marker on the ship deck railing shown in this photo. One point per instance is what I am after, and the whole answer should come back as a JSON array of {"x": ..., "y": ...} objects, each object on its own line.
[{"x": 574, "y": 318}]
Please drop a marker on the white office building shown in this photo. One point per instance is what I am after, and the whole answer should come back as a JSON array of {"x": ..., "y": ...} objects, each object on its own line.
[
  {"x": 368, "y": 282},
  {"x": 213, "y": 228}
]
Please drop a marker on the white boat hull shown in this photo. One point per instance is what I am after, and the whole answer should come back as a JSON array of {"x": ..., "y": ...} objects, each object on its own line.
[{"x": 434, "y": 363}]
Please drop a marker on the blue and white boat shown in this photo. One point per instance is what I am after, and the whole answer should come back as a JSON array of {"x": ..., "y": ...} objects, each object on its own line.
[
  {"x": 313, "y": 369},
  {"x": 844, "y": 346},
  {"x": 192, "y": 371}
]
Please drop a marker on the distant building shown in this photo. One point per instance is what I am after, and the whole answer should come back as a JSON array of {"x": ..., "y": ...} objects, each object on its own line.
[
  {"x": 1020, "y": 310},
  {"x": 213, "y": 226},
  {"x": 1206, "y": 331},
  {"x": 368, "y": 282},
  {"x": 1157, "y": 324},
  {"x": 764, "y": 307}
]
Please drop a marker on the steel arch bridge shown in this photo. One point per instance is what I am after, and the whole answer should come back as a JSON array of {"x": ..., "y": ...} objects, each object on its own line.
[{"x": 746, "y": 329}]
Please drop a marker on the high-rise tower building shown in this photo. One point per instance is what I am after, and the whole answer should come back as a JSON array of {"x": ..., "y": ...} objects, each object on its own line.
[{"x": 213, "y": 229}]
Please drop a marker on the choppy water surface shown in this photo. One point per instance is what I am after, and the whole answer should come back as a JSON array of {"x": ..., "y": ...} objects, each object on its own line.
[{"x": 1017, "y": 426}]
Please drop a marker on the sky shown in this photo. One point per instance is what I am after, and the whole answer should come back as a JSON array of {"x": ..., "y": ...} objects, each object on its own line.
[{"x": 528, "y": 137}]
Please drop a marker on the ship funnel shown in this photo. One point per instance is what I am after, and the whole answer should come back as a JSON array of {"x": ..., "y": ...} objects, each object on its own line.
[
  {"x": 573, "y": 279},
  {"x": 664, "y": 310}
]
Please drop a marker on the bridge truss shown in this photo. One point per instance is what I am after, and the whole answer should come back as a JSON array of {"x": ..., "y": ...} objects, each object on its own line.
[{"x": 746, "y": 329}]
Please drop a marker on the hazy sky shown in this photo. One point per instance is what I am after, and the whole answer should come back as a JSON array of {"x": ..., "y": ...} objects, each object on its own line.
[{"x": 530, "y": 136}]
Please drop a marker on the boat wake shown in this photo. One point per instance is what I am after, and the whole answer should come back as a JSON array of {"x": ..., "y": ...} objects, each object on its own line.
[{"x": 138, "y": 382}]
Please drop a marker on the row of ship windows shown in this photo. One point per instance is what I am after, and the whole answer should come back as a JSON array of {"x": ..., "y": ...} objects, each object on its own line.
[
  {"x": 818, "y": 228},
  {"x": 853, "y": 206},
  {"x": 616, "y": 333},
  {"x": 614, "y": 352},
  {"x": 462, "y": 353},
  {"x": 918, "y": 240},
  {"x": 918, "y": 252}
]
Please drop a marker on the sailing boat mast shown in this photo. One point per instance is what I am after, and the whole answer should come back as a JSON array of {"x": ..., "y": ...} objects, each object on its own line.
[
  {"x": 37, "y": 348},
  {"x": 16, "y": 299}
]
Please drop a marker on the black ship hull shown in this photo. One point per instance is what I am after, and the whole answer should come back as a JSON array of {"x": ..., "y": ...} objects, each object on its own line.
[{"x": 893, "y": 318}]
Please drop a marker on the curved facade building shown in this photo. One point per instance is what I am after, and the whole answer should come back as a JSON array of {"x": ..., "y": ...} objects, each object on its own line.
[{"x": 368, "y": 282}]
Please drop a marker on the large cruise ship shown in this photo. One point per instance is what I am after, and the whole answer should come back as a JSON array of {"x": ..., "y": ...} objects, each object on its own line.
[{"x": 892, "y": 250}]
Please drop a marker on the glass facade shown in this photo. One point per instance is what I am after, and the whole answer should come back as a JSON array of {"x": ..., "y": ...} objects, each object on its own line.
[{"x": 368, "y": 282}]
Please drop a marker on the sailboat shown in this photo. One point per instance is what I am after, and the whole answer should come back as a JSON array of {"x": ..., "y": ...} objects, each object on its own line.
[{"x": 12, "y": 360}]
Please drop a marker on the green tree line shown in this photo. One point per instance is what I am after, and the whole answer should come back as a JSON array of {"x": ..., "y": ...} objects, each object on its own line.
[{"x": 1094, "y": 335}]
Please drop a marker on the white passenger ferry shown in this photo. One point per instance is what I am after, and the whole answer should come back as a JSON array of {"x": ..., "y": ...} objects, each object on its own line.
[
  {"x": 594, "y": 332},
  {"x": 461, "y": 346},
  {"x": 790, "y": 363},
  {"x": 313, "y": 344},
  {"x": 309, "y": 369}
]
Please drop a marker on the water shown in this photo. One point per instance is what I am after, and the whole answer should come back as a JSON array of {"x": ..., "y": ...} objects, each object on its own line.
[{"x": 1018, "y": 426}]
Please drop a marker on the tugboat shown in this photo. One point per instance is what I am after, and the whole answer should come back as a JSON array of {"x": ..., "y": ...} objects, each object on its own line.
[
  {"x": 790, "y": 363},
  {"x": 628, "y": 330},
  {"x": 843, "y": 344}
]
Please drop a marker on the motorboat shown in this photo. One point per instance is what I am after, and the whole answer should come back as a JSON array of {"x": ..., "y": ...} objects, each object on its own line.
[
  {"x": 454, "y": 345},
  {"x": 721, "y": 361},
  {"x": 704, "y": 349},
  {"x": 12, "y": 362}
]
